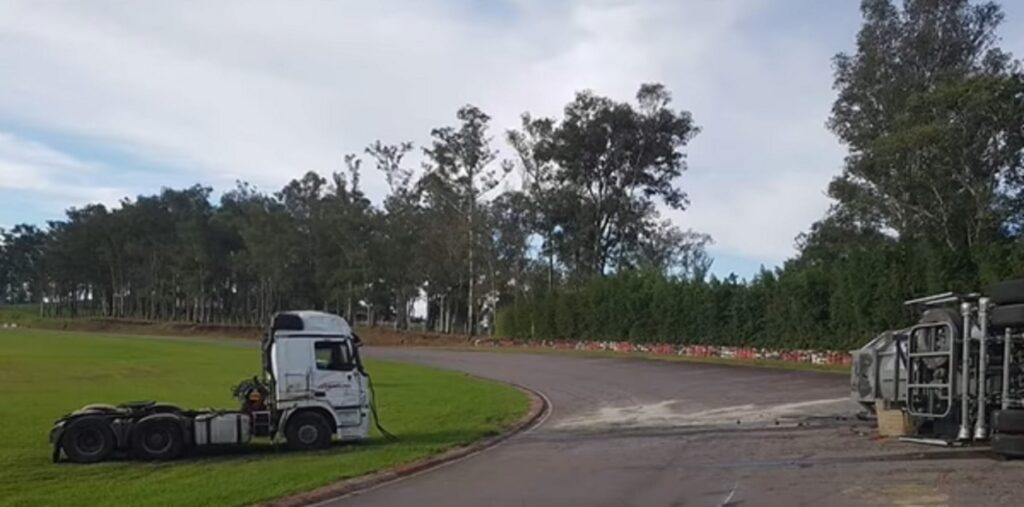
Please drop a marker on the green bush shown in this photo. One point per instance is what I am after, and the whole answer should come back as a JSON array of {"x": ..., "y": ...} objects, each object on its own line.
[{"x": 832, "y": 297}]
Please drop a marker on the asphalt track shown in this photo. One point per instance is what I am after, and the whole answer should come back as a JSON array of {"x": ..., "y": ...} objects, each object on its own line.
[{"x": 625, "y": 432}]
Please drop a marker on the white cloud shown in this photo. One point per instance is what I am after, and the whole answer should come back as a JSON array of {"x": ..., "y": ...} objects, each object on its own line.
[
  {"x": 265, "y": 91},
  {"x": 28, "y": 166}
]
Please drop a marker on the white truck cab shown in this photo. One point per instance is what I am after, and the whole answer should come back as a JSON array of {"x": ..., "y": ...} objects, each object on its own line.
[
  {"x": 314, "y": 363},
  {"x": 313, "y": 389}
]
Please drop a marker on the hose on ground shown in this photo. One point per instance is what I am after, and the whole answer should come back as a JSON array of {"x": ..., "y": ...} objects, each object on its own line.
[{"x": 373, "y": 410}]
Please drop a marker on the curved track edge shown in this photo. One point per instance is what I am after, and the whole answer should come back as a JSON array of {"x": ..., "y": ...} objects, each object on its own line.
[{"x": 537, "y": 413}]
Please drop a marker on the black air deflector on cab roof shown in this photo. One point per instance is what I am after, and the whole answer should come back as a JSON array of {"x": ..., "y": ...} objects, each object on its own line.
[{"x": 287, "y": 322}]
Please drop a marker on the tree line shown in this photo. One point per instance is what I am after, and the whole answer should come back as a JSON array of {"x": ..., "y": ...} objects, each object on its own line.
[
  {"x": 457, "y": 234},
  {"x": 929, "y": 199}
]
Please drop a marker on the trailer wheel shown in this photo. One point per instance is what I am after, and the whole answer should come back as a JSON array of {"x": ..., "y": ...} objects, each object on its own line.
[
  {"x": 88, "y": 440},
  {"x": 1008, "y": 421},
  {"x": 1010, "y": 446},
  {"x": 159, "y": 439},
  {"x": 306, "y": 431}
]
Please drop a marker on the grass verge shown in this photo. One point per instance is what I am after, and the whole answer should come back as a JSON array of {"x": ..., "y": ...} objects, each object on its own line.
[{"x": 45, "y": 374}]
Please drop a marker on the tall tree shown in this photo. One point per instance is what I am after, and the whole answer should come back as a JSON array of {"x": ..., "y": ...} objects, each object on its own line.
[
  {"x": 24, "y": 249},
  {"x": 612, "y": 163},
  {"x": 6, "y": 276},
  {"x": 931, "y": 110},
  {"x": 349, "y": 230},
  {"x": 511, "y": 224},
  {"x": 532, "y": 145},
  {"x": 460, "y": 158},
  {"x": 400, "y": 232}
]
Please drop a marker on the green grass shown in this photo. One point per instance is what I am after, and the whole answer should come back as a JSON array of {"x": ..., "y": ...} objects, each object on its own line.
[
  {"x": 19, "y": 314},
  {"x": 44, "y": 374}
]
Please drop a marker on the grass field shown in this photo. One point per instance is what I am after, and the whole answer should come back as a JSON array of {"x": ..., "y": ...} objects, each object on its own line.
[
  {"x": 44, "y": 374},
  {"x": 22, "y": 315}
]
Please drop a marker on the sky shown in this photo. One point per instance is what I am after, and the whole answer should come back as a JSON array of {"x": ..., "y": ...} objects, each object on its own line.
[{"x": 104, "y": 100}]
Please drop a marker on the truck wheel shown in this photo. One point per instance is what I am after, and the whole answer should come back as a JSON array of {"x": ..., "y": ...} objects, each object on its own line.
[
  {"x": 165, "y": 408},
  {"x": 88, "y": 440},
  {"x": 307, "y": 430},
  {"x": 159, "y": 439},
  {"x": 1008, "y": 421},
  {"x": 1010, "y": 446}
]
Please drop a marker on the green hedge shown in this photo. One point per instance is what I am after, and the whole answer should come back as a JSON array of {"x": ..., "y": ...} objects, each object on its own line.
[
  {"x": 836, "y": 301},
  {"x": 789, "y": 312}
]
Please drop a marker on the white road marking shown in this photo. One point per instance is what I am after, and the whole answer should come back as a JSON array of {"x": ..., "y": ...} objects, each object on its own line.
[{"x": 732, "y": 493}]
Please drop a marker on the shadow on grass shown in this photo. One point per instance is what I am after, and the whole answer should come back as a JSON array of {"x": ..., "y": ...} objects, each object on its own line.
[{"x": 432, "y": 442}]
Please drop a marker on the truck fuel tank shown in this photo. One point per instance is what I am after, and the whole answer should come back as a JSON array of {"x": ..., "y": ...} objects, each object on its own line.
[{"x": 222, "y": 428}]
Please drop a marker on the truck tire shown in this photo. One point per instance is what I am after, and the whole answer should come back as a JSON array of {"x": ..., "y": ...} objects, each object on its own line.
[
  {"x": 102, "y": 408},
  {"x": 165, "y": 408},
  {"x": 157, "y": 439},
  {"x": 1008, "y": 421},
  {"x": 1007, "y": 292},
  {"x": 88, "y": 440},
  {"x": 306, "y": 431},
  {"x": 1010, "y": 446}
]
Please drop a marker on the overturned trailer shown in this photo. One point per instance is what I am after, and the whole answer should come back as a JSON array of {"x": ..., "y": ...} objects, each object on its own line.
[{"x": 958, "y": 373}]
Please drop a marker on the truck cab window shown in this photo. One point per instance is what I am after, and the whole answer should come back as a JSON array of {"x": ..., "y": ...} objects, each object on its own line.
[{"x": 332, "y": 356}]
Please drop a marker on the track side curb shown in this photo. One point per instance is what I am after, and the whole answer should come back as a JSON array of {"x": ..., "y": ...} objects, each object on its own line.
[{"x": 539, "y": 408}]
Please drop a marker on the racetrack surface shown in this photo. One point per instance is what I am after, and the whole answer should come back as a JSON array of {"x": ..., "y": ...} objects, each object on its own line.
[{"x": 640, "y": 432}]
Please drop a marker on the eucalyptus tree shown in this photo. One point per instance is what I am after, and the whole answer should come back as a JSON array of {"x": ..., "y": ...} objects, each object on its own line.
[
  {"x": 400, "y": 231},
  {"x": 532, "y": 145},
  {"x": 263, "y": 265},
  {"x": 6, "y": 276},
  {"x": 673, "y": 252},
  {"x": 602, "y": 170},
  {"x": 77, "y": 259},
  {"x": 930, "y": 108},
  {"x": 348, "y": 229},
  {"x": 460, "y": 159},
  {"x": 510, "y": 222}
]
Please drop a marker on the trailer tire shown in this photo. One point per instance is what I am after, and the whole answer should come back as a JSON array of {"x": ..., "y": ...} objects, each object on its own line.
[
  {"x": 157, "y": 439},
  {"x": 1008, "y": 421},
  {"x": 88, "y": 440},
  {"x": 1007, "y": 292},
  {"x": 1010, "y": 446},
  {"x": 306, "y": 431}
]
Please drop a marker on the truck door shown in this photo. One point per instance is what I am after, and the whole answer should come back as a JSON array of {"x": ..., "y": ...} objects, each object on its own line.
[{"x": 337, "y": 380}]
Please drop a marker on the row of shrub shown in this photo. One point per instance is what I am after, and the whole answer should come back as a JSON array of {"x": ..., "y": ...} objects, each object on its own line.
[{"x": 832, "y": 302}]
